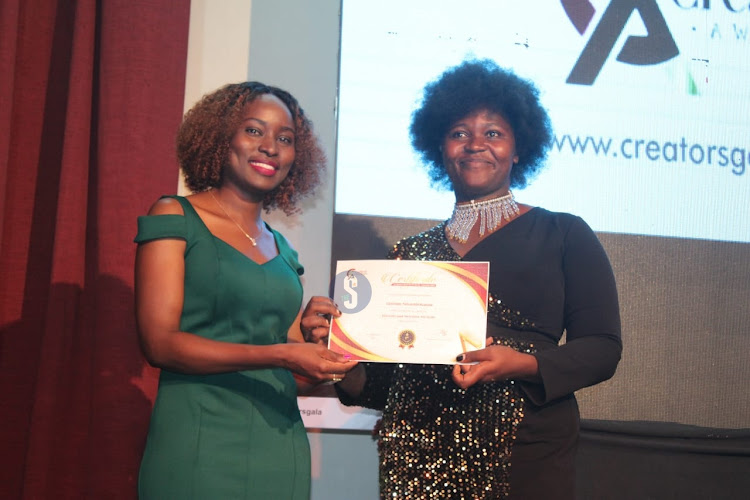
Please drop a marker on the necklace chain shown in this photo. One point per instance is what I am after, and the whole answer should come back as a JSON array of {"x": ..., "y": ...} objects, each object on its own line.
[
  {"x": 252, "y": 240},
  {"x": 489, "y": 212}
]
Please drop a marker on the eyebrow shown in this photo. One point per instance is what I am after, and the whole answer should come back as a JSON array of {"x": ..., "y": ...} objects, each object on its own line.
[
  {"x": 485, "y": 123},
  {"x": 265, "y": 123}
]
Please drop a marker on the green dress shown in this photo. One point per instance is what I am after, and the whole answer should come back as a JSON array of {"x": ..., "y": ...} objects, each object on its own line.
[{"x": 233, "y": 435}]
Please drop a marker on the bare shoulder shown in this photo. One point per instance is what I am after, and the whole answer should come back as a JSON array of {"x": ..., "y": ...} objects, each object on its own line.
[
  {"x": 523, "y": 208},
  {"x": 166, "y": 206}
]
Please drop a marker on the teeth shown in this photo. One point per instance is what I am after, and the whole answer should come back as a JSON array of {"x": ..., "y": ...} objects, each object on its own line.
[{"x": 264, "y": 166}]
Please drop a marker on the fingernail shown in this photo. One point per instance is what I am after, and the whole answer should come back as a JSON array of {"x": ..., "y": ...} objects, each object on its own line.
[{"x": 460, "y": 357}]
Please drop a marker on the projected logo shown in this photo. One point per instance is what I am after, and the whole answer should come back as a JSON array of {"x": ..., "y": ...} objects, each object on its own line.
[{"x": 654, "y": 48}]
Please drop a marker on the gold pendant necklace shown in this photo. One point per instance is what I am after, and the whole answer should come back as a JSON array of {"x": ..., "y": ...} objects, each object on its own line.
[{"x": 252, "y": 240}]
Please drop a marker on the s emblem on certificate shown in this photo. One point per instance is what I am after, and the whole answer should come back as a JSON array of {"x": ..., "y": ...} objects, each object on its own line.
[{"x": 409, "y": 311}]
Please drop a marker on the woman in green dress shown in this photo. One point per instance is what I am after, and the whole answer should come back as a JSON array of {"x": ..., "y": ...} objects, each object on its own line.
[{"x": 218, "y": 305}]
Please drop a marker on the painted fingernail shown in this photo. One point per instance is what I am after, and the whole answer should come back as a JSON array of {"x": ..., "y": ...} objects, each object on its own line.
[{"x": 460, "y": 357}]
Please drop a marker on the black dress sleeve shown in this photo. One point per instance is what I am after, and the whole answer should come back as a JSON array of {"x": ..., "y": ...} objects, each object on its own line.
[
  {"x": 374, "y": 394},
  {"x": 593, "y": 343}
]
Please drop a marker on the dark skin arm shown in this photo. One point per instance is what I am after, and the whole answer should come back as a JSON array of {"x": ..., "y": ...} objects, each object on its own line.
[{"x": 159, "y": 277}]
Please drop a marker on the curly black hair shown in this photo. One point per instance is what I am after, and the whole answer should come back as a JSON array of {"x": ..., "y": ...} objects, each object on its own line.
[
  {"x": 481, "y": 84},
  {"x": 207, "y": 129}
]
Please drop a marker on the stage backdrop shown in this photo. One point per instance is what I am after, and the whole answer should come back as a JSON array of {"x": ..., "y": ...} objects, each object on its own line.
[{"x": 650, "y": 106}]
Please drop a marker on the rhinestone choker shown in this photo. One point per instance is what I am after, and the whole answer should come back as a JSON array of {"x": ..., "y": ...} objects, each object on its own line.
[{"x": 490, "y": 214}]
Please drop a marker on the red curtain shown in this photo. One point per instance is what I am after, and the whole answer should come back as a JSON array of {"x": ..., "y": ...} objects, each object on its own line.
[{"x": 91, "y": 94}]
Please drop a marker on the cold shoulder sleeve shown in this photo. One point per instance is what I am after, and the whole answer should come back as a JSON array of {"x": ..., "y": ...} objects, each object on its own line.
[{"x": 154, "y": 227}]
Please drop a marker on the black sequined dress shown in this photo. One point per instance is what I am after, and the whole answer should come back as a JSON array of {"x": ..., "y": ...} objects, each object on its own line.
[{"x": 548, "y": 274}]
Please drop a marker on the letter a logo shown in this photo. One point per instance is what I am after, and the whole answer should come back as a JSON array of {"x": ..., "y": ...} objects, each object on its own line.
[{"x": 656, "y": 47}]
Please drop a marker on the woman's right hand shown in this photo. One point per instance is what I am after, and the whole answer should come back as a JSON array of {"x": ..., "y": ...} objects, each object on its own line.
[{"x": 316, "y": 363}]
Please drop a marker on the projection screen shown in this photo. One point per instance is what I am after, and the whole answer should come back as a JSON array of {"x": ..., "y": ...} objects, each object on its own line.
[{"x": 649, "y": 103}]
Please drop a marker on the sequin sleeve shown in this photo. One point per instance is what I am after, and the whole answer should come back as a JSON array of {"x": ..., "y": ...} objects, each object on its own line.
[{"x": 593, "y": 345}]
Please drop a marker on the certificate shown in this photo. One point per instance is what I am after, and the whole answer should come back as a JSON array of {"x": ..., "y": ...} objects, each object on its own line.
[{"x": 409, "y": 311}]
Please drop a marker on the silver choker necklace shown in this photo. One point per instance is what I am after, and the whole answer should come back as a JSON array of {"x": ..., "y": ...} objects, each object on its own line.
[{"x": 490, "y": 214}]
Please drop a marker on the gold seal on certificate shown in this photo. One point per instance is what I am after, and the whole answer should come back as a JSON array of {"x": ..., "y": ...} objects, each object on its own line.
[
  {"x": 386, "y": 305},
  {"x": 406, "y": 339}
]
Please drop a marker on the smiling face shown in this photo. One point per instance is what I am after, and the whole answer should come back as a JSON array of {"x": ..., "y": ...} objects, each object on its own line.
[
  {"x": 479, "y": 151},
  {"x": 262, "y": 149}
]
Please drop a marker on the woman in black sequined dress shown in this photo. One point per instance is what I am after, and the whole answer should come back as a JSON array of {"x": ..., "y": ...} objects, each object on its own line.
[{"x": 507, "y": 426}]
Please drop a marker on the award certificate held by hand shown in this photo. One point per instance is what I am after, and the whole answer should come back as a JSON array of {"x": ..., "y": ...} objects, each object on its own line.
[{"x": 409, "y": 311}]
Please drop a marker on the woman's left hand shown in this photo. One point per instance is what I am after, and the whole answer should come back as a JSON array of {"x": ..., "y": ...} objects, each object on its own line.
[
  {"x": 496, "y": 362},
  {"x": 315, "y": 320}
]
